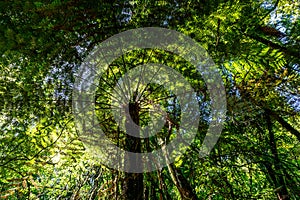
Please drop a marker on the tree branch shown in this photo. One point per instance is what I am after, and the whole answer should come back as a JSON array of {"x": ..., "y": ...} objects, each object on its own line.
[
  {"x": 273, "y": 45},
  {"x": 285, "y": 124}
]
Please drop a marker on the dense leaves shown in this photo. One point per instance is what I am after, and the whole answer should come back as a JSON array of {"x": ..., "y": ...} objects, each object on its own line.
[{"x": 256, "y": 46}]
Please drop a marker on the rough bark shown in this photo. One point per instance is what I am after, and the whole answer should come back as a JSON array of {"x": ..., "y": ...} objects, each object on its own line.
[{"x": 133, "y": 183}]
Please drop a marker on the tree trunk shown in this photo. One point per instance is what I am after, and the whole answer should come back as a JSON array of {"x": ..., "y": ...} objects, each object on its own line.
[
  {"x": 182, "y": 184},
  {"x": 279, "y": 182},
  {"x": 133, "y": 183}
]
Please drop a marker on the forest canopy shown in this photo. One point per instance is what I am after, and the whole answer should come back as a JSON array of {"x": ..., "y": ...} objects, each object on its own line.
[{"x": 255, "y": 46}]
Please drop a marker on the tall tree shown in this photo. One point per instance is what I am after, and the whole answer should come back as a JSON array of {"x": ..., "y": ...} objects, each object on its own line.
[{"x": 254, "y": 43}]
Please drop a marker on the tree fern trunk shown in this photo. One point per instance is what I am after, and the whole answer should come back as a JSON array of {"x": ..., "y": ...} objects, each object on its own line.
[{"x": 133, "y": 183}]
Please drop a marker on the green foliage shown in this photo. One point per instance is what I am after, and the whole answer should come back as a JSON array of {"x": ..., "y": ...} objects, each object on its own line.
[{"x": 257, "y": 156}]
